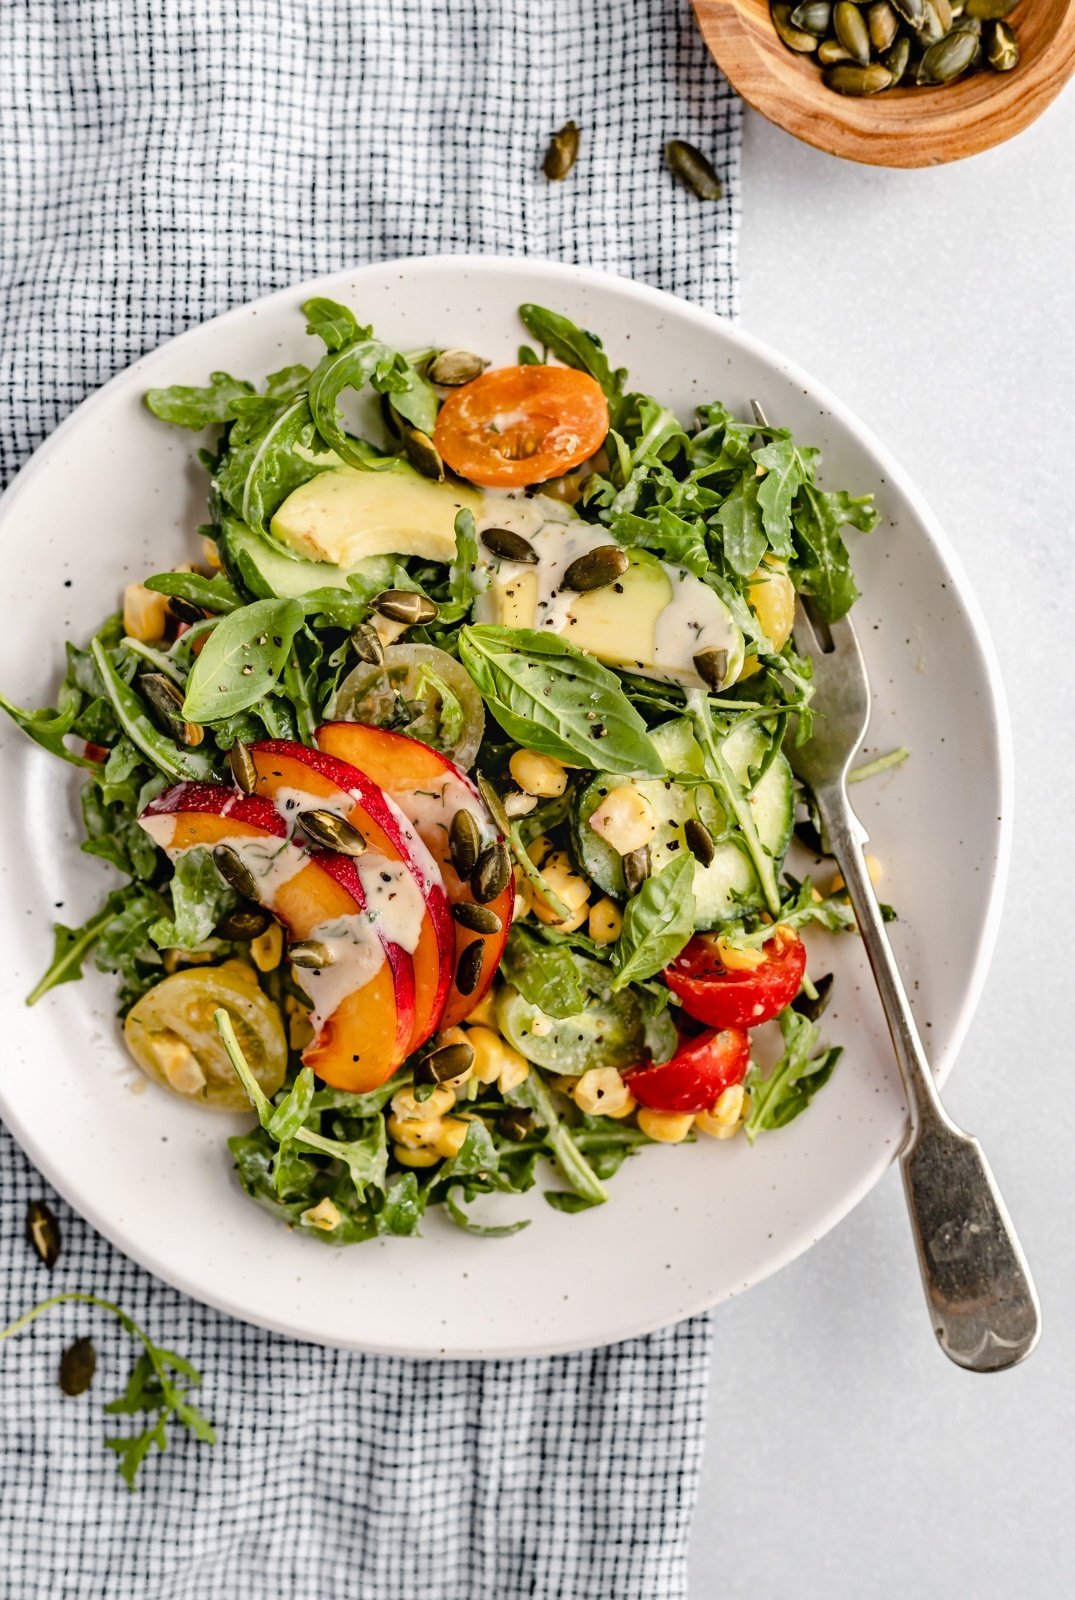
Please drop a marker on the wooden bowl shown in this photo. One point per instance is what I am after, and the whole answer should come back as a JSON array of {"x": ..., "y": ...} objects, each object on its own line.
[{"x": 910, "y": 127}]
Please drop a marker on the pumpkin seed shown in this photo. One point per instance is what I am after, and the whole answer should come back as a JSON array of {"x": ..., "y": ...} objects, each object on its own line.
[
  {"x": 441, "y": 1066},
  {"x": 943, "y": 9},
  {"x": 699, "y": 841},
  {"x": 712, "y": 667},
  {"x": 330, "y": 832},
  {"x": 990, "y": 10},
  {"x": 1001, "y": 49},
  {"x": 636, "y": 869},
  {"x": 450, "y": 368},
  {"x": 829, "y": 51},
  {"x": 423, "y": 454},
  {"x": 912, "y": 11},
  {"x": 366, "y": 643},
  {"x": 185, "y": 610},
  {"x": 695, "y": 170},
  {"x": 966, "y": 24},
  {"x": 596, "y": 569},
  {"x": 242, "y": 767},
  {"x": 509, "y": 546},
  {"x": 490, "y": 876},
  {"x": 883, "y": 24},
  {"x": 405, "y": 605},
  {"x": 165, "y": 700},
  {"x": 517, "y": 1124},
  {"x": 518, "y": 804},
  {"x": 814, "y": 16},
  {"x": 243, "y": 924},
  {"x": 562, "y": 153},
  {"x": 896, "y": 58},
  {"x": 310, "y": 953},
  {"x": 236, "y": 873},
  {"x": 931, "y": 29},
  {"x": 850, "y": 28},
  {"x": 43, "y": 1232},
  {"x": 848, "y": 77},
  {"x": 77, "y": 1367},
  {"x": 813, "y": 1008},
  {"x": 468, "y": 969},
  {"x": 795, "y": 38},
  {"x": 464, "y": 842},
  {"x": 479, "y": 919},
  {"x": 945, "y": 60}
]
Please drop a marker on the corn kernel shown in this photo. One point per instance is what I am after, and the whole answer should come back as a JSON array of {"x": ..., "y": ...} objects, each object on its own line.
[
  {"x": 515, "y": 1070},
  {"x": 490, "y": 1053},
  {"x": 538, "y": 775},
  {"x": 602, "y": 1092},
  {"x": 324, "y": 1215},
  {"x": 408, "y": 1109},
  {"x": 538, "y": 849},
  {"x": 267, "y": 949},
  {"x": 211, "y": 555},
  {"x": 569, "y": 887},
  {"x": 873, "y": 867},
  {"x": 625, "y": 820},
  {"x": 172, "y": 960},
  {"x": 413, "y": 1133},
  {"x": 178, "y": 1063},
  {"x": 666, "y": 1127},
  {"x": 706, "y": 1123},
  {"x": 484, "y": 1012},
  {"x": 145, "y": 614},
  {"x": 605, "y": 922},
  {"x": 738, "y": 959},
  {"x": 426, "y": 1157},
  {"x": 452, "y": 1134},
  {"x": 300, "y": 1030}
]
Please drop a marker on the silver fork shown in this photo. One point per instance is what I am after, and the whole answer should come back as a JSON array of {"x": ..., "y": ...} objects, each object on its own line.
[{"x": 978, "y": 1286}]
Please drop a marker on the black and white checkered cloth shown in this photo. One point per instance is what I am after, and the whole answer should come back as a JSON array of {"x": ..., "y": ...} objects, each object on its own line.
[{"x": 160, "y": 161}]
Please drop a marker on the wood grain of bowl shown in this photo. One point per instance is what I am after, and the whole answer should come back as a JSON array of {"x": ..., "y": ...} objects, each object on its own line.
[{"x": 912, "y": 127}]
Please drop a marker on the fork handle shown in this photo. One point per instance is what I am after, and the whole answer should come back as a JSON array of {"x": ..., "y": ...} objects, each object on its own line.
[{"x": 977, "y": 1283}]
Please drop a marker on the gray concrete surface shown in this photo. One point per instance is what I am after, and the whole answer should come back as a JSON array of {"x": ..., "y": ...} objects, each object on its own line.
[{"x": 847, "y": 1459}]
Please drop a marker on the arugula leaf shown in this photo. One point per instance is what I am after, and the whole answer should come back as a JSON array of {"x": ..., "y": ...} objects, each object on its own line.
[
  {"x": 739, "y": 520},
  {"x": 462, "y": 573},
  {"x": 777, "y": 489},
  {"x": 70, "y": 948},
  {"x": 175, "y": 760},
  {"x": 333, "y": 323},
  {"x": 199, "y": 408},
  {"x": 49, "y": 727},
  {"x": 160, "y": 1383},
  {"x": 779, "y": 1098},
  {"x": 553, "y": 698},
  {"x": 573, "y": 347},
  {"x": 243, "y": 659},
  {"x": 824, "y": 564},
  {"x": 533, "y": 1094},
  {"x": 200, "y": 897},
  {"x": 545, "y": 975},
  {"x": 453, "y": 1200},
  {"x": 212, "y": 594},
  {"x": 123, "y": 945},
  {"x": 657, "y": 923},
  {"x": 273, "y": 447},
  {"x": 353, "y": 367}
]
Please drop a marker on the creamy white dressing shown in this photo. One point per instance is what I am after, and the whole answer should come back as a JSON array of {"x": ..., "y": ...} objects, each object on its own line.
[
  {"x": 435, "y": 801},
  {"x": 271, "y": 862},
  {"x": 394, "y": 902},
  {"x": 694, "y": 619},
  {"x": 358, "y": 955},
  {"x": 289, "y": 802}
]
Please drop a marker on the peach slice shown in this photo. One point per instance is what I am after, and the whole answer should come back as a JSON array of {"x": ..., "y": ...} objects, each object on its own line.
[
  {"x": 429, "y": 789},
  {"x": 364, "y": 1027}
]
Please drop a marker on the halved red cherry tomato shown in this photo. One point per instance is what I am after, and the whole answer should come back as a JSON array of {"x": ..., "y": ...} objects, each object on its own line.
[
  {"x": 713, "y": 994},
  {"x": 699, "y": 1072},
  {"x": 521, "y": 425}
]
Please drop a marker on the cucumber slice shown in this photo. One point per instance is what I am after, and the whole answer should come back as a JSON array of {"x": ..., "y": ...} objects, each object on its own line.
[
  {"x": 611, "y": 1032},
  {"x": 270, "y": 573},
  {"x": 729, "y": 882}
]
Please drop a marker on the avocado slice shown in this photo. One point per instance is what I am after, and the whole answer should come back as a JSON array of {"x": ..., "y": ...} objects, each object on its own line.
[
  {"x": 271, "y": 573},
  {"x": 345, "y": 515}
]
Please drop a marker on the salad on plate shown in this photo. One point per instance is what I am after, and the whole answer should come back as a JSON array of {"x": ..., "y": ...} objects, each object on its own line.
[{"x": 445, "y": 782}]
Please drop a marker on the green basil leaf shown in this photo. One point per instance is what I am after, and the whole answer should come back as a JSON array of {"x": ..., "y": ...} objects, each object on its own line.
[
  {"x": 333, "y": 323},
  {"x": 657, "y": 923},
  {"x": 199, "y": 408},
  {"x": 553, "y": 698},
  {"x": 786, "y": 1092},
  {"x": 243, "y": 659},
  {"x": 212, "y": 594},
  {"x": 573, "y": 347},
  {"x": 545, "y": 975}
]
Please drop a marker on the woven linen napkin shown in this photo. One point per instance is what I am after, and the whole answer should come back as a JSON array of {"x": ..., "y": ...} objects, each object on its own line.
[{"x": 162, "y": 160}]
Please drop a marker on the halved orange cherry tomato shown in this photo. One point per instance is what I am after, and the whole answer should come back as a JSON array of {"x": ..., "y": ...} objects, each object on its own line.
[
  {"x": 521, "y": 425},
  {"x": 713, "y": 994},
  {"x": 697, "y": 1075}
]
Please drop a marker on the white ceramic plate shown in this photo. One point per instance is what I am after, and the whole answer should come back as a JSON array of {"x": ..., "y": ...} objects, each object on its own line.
[{"x": 114, "y": 495}]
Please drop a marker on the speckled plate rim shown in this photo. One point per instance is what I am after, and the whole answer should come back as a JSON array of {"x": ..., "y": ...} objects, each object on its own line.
[{"x": 652, "y": 301}]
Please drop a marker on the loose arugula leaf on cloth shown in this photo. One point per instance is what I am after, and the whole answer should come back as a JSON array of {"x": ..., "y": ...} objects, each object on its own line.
[
  {"x": 553, "y": 698},
  {"x": 200, "y": 897},
  {"x": 657, "y": 923},
  {"x": 199, "y": 408},
  {"x": 243, "y": 659},
  {"x": 780, "y": 1097},
  {"x": 161, "y": 1384}
]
